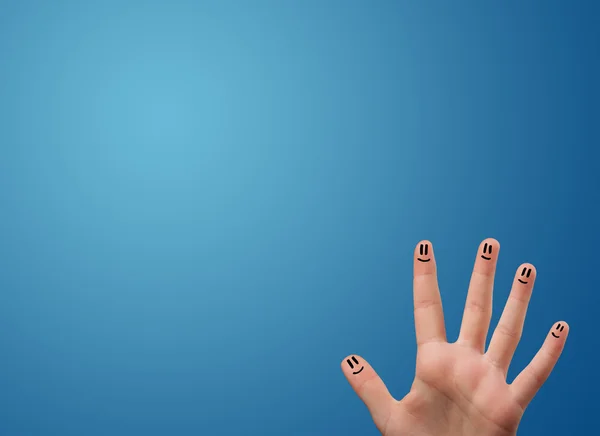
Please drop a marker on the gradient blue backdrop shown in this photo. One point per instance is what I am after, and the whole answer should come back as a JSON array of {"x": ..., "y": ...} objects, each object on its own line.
[{"x": 206, "y": 205}]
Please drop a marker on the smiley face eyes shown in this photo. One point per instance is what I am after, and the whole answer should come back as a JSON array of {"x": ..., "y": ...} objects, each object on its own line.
[
  {"x": 423, "y": 251},
  {"x": 487, "y": 249},
  {"x": 525, "y": 273},
  {"x": 559, "y": 328},
  {"x": 352, "y": 365}
]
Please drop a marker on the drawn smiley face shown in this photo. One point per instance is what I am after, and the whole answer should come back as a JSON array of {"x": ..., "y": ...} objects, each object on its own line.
[
  {"x": 423, "y": 251},
  {"x": 352, "y": 365},
  {"x": 525, "y": 273},
  {"x": 487, "y": 249},
  {"x": 559, "y": 328}
]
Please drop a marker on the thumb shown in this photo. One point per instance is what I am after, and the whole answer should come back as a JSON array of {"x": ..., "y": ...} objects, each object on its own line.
[{"x": 369, "y": 387}]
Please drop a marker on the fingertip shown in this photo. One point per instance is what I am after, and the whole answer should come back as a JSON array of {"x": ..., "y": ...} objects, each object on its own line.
[
  {"x": 558, "y": 334},
  {"x": 352, "y": 364},
  {"x": 424, "y": 258},
  {"x": 527, "y": 269},
  {"x": 348, "y": 357},
  {"x": 526, "y": 274},
  {"x": 357, "y": 370},
  {"x": 494, "y": 242},
  {"x": 423, "y": 242},
  {"x": 489, "y": 244},
  {"x": 487, "y": 256},
  {"x": 561, "y": 326}
]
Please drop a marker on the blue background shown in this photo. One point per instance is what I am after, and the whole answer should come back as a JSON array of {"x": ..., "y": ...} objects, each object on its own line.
[{"x": 206, "y": 205}]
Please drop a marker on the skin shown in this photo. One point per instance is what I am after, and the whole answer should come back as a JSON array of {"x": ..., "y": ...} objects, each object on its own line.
[{"x": 460, "y": 388}]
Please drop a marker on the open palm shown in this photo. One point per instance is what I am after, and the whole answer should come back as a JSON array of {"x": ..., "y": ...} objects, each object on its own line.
[{"x": 459, "y": 388}]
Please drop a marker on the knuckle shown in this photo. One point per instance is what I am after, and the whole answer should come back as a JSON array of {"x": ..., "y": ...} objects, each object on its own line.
[
  {"x": 519, "y": 297},
  {"x": 537, "y": 377},
  {"x": 509, "y": 332},
  {"x": 476, "y": 306},
  {"x": 426, "y": 303}
]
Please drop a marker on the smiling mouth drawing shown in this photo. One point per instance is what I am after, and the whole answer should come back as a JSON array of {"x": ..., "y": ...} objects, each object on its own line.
[
  {"x": 525, "y": 273},
  {"x": 351, "y": 365},
  {"x": 559, "y": 328},
  {"x": 423, "y": 250},
  {"x": 486, "y": 258}
]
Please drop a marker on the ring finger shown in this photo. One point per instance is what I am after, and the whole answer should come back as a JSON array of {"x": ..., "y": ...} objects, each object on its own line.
[{"x": 510, "y": 327}]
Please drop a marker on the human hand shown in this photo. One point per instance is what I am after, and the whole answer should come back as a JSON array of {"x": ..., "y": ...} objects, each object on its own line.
[{"x": 460, "y": 389}]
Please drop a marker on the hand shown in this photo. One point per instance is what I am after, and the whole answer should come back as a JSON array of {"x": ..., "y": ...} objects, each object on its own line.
[{"x": 459, "y": 388}]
